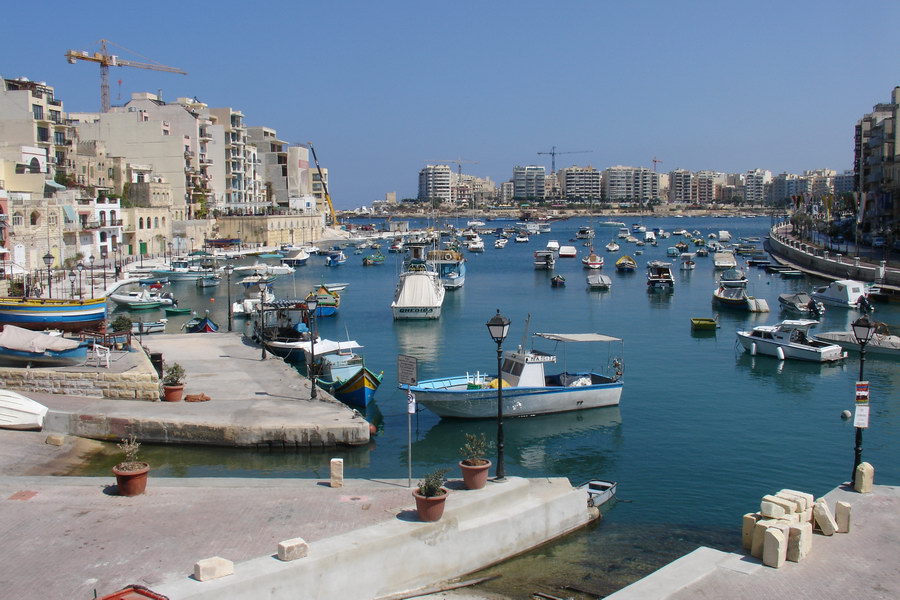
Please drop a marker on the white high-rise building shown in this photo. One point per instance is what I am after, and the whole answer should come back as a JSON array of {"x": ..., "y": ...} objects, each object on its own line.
[
  {"x": 630, "y": 184},
  {"x": 756, "y": 184},
  {"x": 528, "y": 182},
  {"x": 434, "y": 184},
  {"x": 581, "y": 183}
]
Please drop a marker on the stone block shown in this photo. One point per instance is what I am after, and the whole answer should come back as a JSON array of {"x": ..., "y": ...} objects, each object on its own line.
[
  {"x": 842, "y": 517},
  {"x": 292, "y": 549},
  {"x": 759, "y": 530},
  {"x": 824, "y": 519},
  {"x": 865, "y": 478},
  {"x": 213, "y": 568},
  {"x": 808, "y": 498},
  {"x": 55, "y": 440},
  {"x": 749, "y": 523},
  {"x": 798, "y": 505},
  {"x": 799, "y": 541},
  {"x": 774, "y": 507},
  {"x": 774, "y": 548},
  {"x": 337, "y": 472}
]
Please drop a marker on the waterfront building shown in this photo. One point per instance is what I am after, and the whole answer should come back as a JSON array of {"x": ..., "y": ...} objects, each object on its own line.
[
  {"x": 785, "y": 186},
  {"x": 507, "y": 192},
  {"x": 821, "y": 182},
  {"x": 284, "y": 169},
  {"x": 243, "y": 183},
  {"x": 844, "y": 183},
  {"x": 877, "y": 168},
  {"x": 706, "y": 185},
  {"x": 528, "y": 182},
  {"x": 756, "y": 183},
  {"x": 579, "y": 183},
  {"x": 33, "y": 127},
  {"x": 630, "y": 184},
  {"x": 434, "y": 184},
  {"x": 681, "y": 182}
]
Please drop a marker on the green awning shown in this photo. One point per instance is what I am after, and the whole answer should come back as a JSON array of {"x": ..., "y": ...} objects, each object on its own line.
[{"x": 70, "y": 213}]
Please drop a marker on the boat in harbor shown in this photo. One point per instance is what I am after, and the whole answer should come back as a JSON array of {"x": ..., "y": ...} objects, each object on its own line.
[
  {"x": 143, "y": 327},
  {"x": 687, "y": 262},
  {"x": 450, "y": 266},
  {"x": 553, "y": 246},
  {"x": 789, "y": 339},
  {"x": 344, "y": 375},
  {"x": 183, "y": 270},
  {"x": 201, "y": 325},
  {"x": 724, "y": 260},
  {"x": 800, "y": 303},
  {"x": 377, "y": 258},
  {"x": 882, "y": 344},
  {"x": 704, "y": 323},
  {"x": 296, "y": 258},
  {"x": 25, "y": 348},
  {"x": 738, "y": 298},
  {"x": 20, "y": 412},
  {"x": 626, "y": 264},
  {"x": 143, "y": 299},
  {"x": 585, "y": 233},
  {"x": 659, "y": 277},
  {"x": 51, "y": 313},
  {"x": 568, "y": 252},
  {"x": 598, "y": 281},
  {"x": 527, "y": 389},
  {"x": 558, "y": 281},
  {"x": 211, "y": 280},
  {"x": 420, "y": 292},
  {"x": 733, "y": 278},
  {"x": 592, "y": 260},
  {"x": 544, "y": 259},
  {"x": 843, "y": 292},
  {"x": 599, "y": 491}
]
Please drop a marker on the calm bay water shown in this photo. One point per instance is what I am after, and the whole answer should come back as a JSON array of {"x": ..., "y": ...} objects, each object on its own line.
[{"x": 703, "y": 430}]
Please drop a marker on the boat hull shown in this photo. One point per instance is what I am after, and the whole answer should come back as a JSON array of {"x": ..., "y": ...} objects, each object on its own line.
[
  {"x": 451, "y": 398},
  {"x": 19, "y": 412},
  {"x": 48, "y": 358},
  {"x": 828, "y": 353},
  {"x": 358, "y": 390},
  {"x": 39, "y": 314}
]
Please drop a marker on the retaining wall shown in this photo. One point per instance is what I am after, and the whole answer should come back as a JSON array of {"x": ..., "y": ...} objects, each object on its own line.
[{"x": 140, "y": 383}]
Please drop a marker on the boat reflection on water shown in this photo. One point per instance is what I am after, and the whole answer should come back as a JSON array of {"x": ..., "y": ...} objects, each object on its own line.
[
  {"x": 788, "y": 375},
  {"x": 578, "y": 444},
  {"x": 419, "y": 338}
]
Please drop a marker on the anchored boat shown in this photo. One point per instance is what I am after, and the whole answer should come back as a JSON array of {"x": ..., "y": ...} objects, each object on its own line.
[
  {"x": 789, "y": 339},
  {"x": 50, "y": 313}
]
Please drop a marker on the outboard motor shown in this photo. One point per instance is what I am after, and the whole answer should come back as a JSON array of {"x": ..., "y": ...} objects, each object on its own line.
[{"x": 864, "y": 304}]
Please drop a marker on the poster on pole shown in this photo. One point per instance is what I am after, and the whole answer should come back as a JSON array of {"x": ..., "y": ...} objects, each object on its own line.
[
  {"x": 861, "y": 416},
  {"x": 407, "y": 370}
]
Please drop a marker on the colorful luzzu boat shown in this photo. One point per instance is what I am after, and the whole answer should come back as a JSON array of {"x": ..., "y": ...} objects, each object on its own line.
[{"x": 52, "y": 313}]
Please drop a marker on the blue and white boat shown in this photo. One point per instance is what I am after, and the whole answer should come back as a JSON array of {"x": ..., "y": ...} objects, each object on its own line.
[
  {"x": 346, "y": 377},
  {"x": 53, "y": 313},
  {"x": 25, "y": 348},
  {"x": 450, "y": 266},
  {"x": 527, "y": 389}
]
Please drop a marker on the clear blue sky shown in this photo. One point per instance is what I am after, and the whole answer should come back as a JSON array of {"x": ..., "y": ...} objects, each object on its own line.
[{"x": 383, "y": 87}]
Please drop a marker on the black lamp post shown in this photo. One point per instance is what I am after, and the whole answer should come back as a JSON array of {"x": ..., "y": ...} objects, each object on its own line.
[
  {"x": 229, "y": 269},
  {"x": 71, "y": 283},
  {"x": 262, "y": 315},
  {"x": 91, "y": 265},
  {"x": 312, "y": 303},
  {"x": 80, "y": 268},
  {"x": 48, "y": 260},
  {"x": 171, "y": 251},
  {"x": 103, "y": 255},
  {"x": 498, "y": 327},
  {"x": 863, "y": 330},
  {"x": 192, "y": 245}
]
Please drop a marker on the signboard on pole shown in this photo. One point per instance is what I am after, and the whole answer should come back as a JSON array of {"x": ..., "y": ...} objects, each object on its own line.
[
  {"x": 407, "y": 370},
  {"x": 862, "y": 392},
  {"x": 861, "y": 416}
]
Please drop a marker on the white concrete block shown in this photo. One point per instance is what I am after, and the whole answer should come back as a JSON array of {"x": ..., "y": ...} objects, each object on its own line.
[
  {"x": 807, "y": 515},
  {"x": 786, "y": 505},
  {"x": 213, "y": 568},
  {"x": 797, "y": 504},
  {"x": 824, "y": 519},
  {"x": 756, "y": 544},
  {"x": 810, "y": 500},
  {"x": 749, "y": 523},
  {"x": 337, "y": 472},
  {"x": 799, "y": 541},
  {"x": 842, "y": 517},
  {"x": 292, "y": 549},
  {"x": 865, "y": 478},
  {"x": 774, "y": 548}
]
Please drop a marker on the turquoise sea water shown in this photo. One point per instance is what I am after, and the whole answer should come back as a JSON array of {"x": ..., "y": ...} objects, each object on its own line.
[{"x": 703, "y": 430}]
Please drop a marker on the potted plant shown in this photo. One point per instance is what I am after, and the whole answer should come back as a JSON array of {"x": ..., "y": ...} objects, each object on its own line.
[
  {"x": 474, "y": 465},
  {"x": 131, "y": 474},
  {"x": 173, "y": 383},
  {"x": 120, "y": 324},
  {"x": 430, "y": 496}
]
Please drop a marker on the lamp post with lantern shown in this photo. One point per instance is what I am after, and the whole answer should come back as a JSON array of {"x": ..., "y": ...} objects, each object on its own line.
[
  {"x": 498, "y": 327},
  {"x": 48, "y": 260},
  {"x": 863, "y": 330},
  {"x": 72, "y": 283},
  {"x": 91, "y": 259},
  {"x": 229, "y": 269},
  {"x": 312, "y": 303},
  {"x": 80, "y": 267}
]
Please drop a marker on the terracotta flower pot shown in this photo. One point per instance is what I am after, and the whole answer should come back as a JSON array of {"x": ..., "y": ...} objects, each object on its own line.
[
  {"x": 132, "y": 482},
  {"x": 172, "y": 393},
  {"x": 430, "y": 508},
  {"x": 475, "y": 476}
]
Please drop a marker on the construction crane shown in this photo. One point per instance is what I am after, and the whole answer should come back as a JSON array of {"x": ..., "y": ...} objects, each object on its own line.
[
  {"x": 324, "y": 186},
  {"x": 106, "y": 60},
  {"x": 655, "y": 161},
  {"x": 553, "y": 152}
]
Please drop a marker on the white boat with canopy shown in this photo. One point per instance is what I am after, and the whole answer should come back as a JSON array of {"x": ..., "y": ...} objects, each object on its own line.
[{"x": 527, "y": 389}]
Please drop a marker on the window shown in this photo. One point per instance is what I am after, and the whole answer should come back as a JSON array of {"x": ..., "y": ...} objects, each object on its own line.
[
  {"x": 35, "y": 218},
  {"x": 53, "y": 219},
  {"x": 54, "y": 116},
  {"x": 59, "y": 138},
  {"x": 17, "y": 220},
  {"x": 38, "y": 111},
  {"x": 141, "y": 223},
  {"x": 43, "y": 134},
  {"x": 156, "y": 222}
]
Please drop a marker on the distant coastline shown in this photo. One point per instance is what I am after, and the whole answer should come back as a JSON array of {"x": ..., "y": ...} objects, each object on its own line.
[{"x": 558, "y": 214}]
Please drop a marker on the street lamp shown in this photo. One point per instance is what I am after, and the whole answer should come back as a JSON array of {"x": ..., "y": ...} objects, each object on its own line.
[
  {"x": 312, "y": 303},
  {"x": 262, "y": 320},
  {"x": 80, "y": 268},
  {"x": 498, "y": 327},
  {"x": 863, "y": 330},
  {"x": 229, "y": 269},
  {"x": 104, "y": 255},
  {"x": 48, "y": 260},
  {"x": 192, "y": 245},
  {"x": 71, "y": 283},
  {"x": 91, "y": 265},
  {"x": 171, "y": 252}
]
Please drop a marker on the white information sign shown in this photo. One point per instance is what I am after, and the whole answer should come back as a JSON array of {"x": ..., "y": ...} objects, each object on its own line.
[
  {"x": 407, "y": 370},
  {"x": 861, "y": 416}
]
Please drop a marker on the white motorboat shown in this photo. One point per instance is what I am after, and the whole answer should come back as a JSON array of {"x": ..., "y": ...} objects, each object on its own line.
[
  {"x": 687, "y": 261},
  {"x": 182, "y": 270},
  {"x": 475, "y": 245},
  {"x": 801, "y": 304},
  {"x": 724, "y": 260},
  {"x": 883, "y": 345},
  {"x": 612, "y": 247},
  {"x": 142, "y": 327},
  {"x": 844, "y": 292},
  {"x": 451, "y": 267},
  {"x": 659, "y": 277},
  {"x": 544, "y": 259},
  {"x": 733, "y": 278},
  {"x": 789, "y": 339},
  {"x": 592, "y": 260},
  {"x": 521, "y": 238},
  {"x": 500, "y": 243},
  {"x": 211, "y": 280},
  {"x": 598, "y": 281},
  {"x": 420, "y": 292},
  {"x": 143, "y": 298},
  {"x": 261, "y": 268},
  {"x": 527, "y": 389},
  {"x": 585, "y": 233},
  {"x": 295, "y": 259},
  {"x": 568, "y": 252},
  {"x": 553, "y": 246},
  {"x": 20, "y": 412}
]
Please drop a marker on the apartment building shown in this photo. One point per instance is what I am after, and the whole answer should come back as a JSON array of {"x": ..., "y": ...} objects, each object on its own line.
[
  {"x": 435, "y": 185},
  {"x": 33, "y": 127},
  {"x": 756, "y": 184},
  {"x": 681, "y": 183},
  {"x": 579, "y": 183},
  {"x": 705, "y": 186},
  {"x": 528, "y": 182},
  {"x": 630, "y": 184},
  {"x": 244, "y": 190},
  {"x": 844, "y": 183},
  {"x": 284, "y": 169}
]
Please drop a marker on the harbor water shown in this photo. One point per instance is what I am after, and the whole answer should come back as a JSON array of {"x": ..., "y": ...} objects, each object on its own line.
[{"x": 704, "y": 429}]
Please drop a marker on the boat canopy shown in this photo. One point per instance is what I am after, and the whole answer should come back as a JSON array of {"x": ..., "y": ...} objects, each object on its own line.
[
  {"x": 25, "y": 340},
  {"x": 578, "y": 337}
]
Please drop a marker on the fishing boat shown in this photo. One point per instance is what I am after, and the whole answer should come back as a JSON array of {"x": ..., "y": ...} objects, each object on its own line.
[
  {"x": 802, "y": 304},
  {"x": 844, "y": 292},
  {"x": 733, "y": 278},
  {"x": 557, "y": 281},
  {"x": 201, "y": 325},
  {"x": 592, "y": 260},
  {"x": 142, "y": 299},
  {"x": 687, "y": 262},
  {"x": 174, "y": 310},
  {"x": 544, "y": 259},
  {"x": 612, "y": 247},
  {"x": 585, "y": 233},
  {"x": 789, "y": 339},
  {"x": 50, "y": 313},
  {"x": 25, "y": 348},
  {"x": 182, "y": 270},
  {"x": 882, "y": 344},
  {"x": 142, "y": 327},
  {"x": 211, "y": 280},
  {"x": 346, "y": 377},
  {"x": 626, "y": 264},
  {"x": 659, "y": 277},
  {"x": 704, "y": 323},
  {"x": 20, "y": 412},
  {"x": 334, "y": 258},
  {"x": 296, "y": 259},
  {"x": 527, "y": 389},
  {"x": 329, "y": 301},
  {"x": 420, "y": 292},
  {"x": 450, "y": 266},
  {"x": 598, "y": 281},
  {"x": 599, "y": 491},
  {"x": 373, "y": 259},
  {"x": 737, "y": 297}
]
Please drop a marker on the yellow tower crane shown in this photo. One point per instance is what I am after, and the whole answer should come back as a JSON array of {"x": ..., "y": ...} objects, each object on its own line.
[
  {"x": 106, "y": 60},
  {"x": 324, "y": 186}
]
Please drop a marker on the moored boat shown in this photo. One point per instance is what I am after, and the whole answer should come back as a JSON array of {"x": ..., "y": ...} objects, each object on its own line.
[
  {"x": 802, "y": 304},
  {"x": 558, "y": 281},
  {"x": 592, "y": 260},
  {"x": 450, "y": 266},
  {"x": 51, "y": 313},
  {"x": 568, "y": 252},
  {"x": 704, "y": 323},
  {"x": 201, "y": 325},
  {"x": 21, "y": 347},
  {"x": 789, "y": 339},
  {"x": 599, "y": 492},
  {"x": 598, "y": 281},
  {"x": 882, "y": 344},
  {"x": 20, "y": 412},
  {"x": 544, "y": 259},
  {"x": 142, "y": 327},
  {"x": 737, "y": 297},
  {"x": 612, "y": 247},
  {"x": 346, "y": 377},
  {"x": 145, "y": 298},
  {"x": 843, "y": 292},
  {"x": 659, "y": 277},
  {"x": 527, "y": 389},
  {"x": 626, "y": 264},
  {"x": 419, "y": 293}
]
